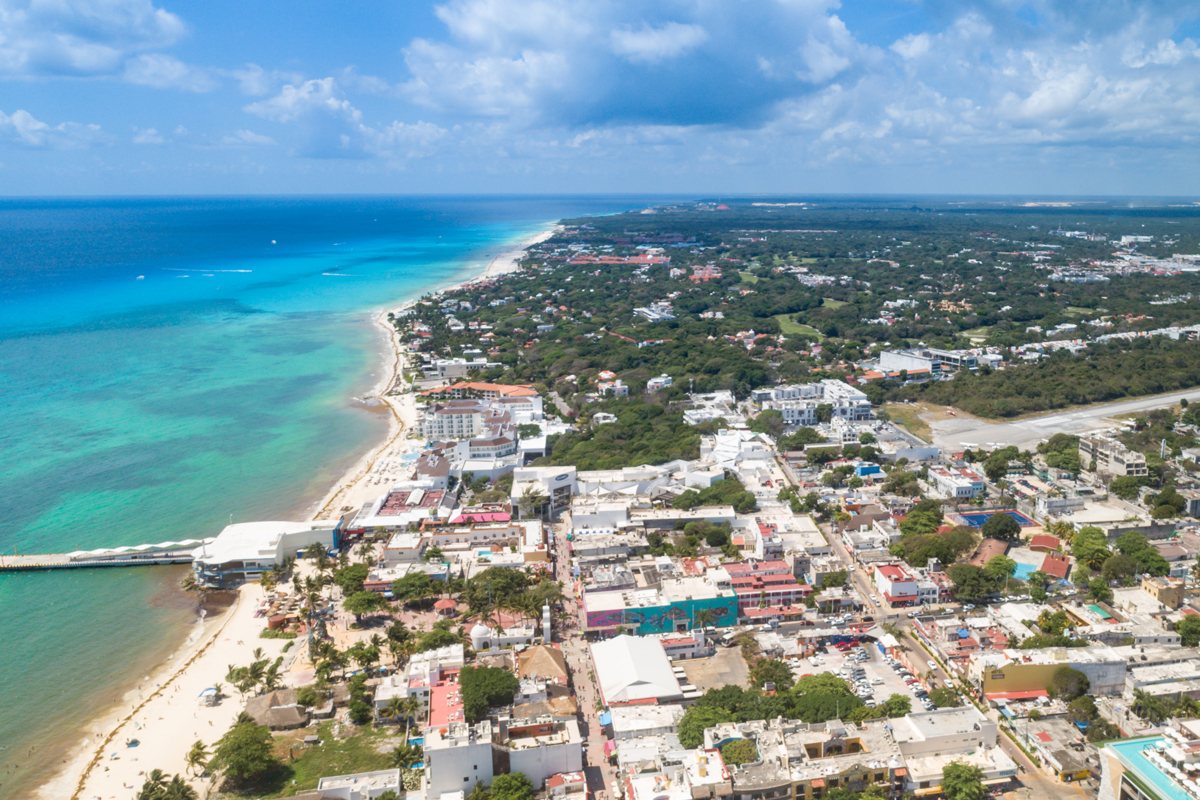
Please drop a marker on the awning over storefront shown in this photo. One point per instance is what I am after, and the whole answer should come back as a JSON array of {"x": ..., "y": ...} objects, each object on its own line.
[{"x": 1030, "y": 695}]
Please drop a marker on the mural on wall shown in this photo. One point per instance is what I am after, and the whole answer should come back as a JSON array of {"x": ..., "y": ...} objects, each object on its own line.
[{"x": 663, "y": 619}]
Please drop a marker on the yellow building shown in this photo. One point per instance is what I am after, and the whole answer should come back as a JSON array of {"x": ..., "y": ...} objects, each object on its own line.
[{"x": 1168, "y": 591}]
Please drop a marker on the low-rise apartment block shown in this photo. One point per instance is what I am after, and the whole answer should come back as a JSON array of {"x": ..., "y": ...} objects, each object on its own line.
[
  {"x": 1111, "y": 457},
  {"x": 957, "y": 482},
  {"x": 798, "y": 402}
]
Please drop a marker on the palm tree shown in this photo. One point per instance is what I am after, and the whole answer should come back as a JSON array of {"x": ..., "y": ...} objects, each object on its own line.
[
  {"x": 257, "y": 654},
  {"x": 394, "y": 710},
  {"x": 1186, "y": 706},
  {"x": 154, "y": 786},
  {"x": 178, "y": 789},
  {"x": 405, "y": 755},
  {"x": 271, "y": 679},
  {"x": 197, "y": 758},
  {"x": 1061, "y": 529},
  {"x": 412, "y": 706},
  {"x": 702, "y": 617},
  {"x": 1147, "y": 706}
]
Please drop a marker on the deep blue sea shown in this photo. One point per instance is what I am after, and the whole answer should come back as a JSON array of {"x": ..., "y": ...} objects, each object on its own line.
[{"x": 167, "y": 365}]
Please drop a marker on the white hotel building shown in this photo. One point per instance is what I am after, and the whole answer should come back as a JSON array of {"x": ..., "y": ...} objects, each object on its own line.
[{"x": 798, "y": 402}]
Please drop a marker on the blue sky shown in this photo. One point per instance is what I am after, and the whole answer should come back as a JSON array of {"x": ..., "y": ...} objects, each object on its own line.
[{"x": 672, "y": 96}]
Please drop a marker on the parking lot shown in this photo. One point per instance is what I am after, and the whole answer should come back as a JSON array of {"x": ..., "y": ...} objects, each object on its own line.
[
  {"x": 723, "y": 668},
  {"x": 883, "y": 680}
]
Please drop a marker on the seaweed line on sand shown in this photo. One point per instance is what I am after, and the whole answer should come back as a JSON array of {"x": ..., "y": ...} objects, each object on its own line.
[{"x": 121, "y": 724}]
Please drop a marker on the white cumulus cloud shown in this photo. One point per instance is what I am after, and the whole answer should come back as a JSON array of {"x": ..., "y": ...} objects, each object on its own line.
[
  {"x": 40, "y": 38},
  {"x": 24, "y": 129},
  {"x": 166, "y": 72},
  {"x": 320, "y": 96},
  {"x": 245, "y": 137},
  {"x": 649, "y": 45},
  {"x": 147, "y": 136}
]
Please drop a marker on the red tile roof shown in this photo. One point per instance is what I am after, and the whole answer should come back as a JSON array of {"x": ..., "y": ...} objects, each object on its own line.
[{"x": 1056, "y": 565}]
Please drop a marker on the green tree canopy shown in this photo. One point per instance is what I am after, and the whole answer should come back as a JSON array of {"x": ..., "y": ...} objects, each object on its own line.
[
  {"x": 799, "y": 439},
  {"x": 484, "y": 687},
  {"x": 1070, "y": 683},
  {"x": 1118, "y": 567},
  {"x": 1000, "y": 567},
  {"x": 436, "y": 639},
  {"x": 962, "y": 781},
  {"x": 944, "y": 697},
  {"x": 1098, "y": 590},
  {"x": 1188, "y": 629},
  {"x": 696, "y": 719},
  {"x": 244, "y": 754},
  {"x": 924, "y": 517},
  {"x": 769, "y": 422},
  {"x": 1126, "y": 487},
  {"x": 413, "y": 588},
  {"x": 1090, "y": 546},
  {"x": 361, "y": 603},
  {"x": 513, "y": 786},
  {"x": 1001, "y": 526},
  {"x": 1081, "y": 709},
  {"x": 970, "y": 582},
  {"x": 771, "y": 670},
  {"x": 740, "y": 751},
  {"x": 350, "y": 579}
]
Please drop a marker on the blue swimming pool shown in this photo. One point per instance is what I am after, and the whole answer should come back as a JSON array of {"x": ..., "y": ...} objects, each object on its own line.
[
  {"x": 976, "y": 518},
  {"x": 1129, "y": 752},
  {"x": 1023, "y": 571}
]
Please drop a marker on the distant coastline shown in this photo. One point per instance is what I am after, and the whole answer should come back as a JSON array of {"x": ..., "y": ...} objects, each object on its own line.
[{"x": 212, "y": 643}]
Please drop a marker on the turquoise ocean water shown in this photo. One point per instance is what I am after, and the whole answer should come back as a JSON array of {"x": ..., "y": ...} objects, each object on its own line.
[{"x": 220, "y": 385}]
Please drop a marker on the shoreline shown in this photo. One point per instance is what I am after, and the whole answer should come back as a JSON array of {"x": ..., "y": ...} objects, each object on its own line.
[
  {"x": 354, "y": 488},
  {"x": 204, "y": 655}
]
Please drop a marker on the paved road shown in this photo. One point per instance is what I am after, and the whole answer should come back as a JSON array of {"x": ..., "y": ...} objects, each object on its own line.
[
  {"x": 1033, "y": 783},
  {"x": 575, "y": 649},
  {"x": 958, "y": 433},
  {"x": 559, "y": 404}
]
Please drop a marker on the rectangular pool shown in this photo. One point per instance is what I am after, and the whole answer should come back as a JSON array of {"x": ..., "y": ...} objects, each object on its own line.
[
  {"x": 1130, "y": 752},
  {"x": 976, "y": 518}
]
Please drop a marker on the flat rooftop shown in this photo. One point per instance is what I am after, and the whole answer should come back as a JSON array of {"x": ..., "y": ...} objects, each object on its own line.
[{"x": 944, "y": 721}]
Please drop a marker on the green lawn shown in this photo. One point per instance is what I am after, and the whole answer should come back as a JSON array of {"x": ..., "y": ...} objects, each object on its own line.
[
  {"x": 362, "y": 750},
  {"x": 1076, "y": 310},
  {"x": 977, "y": 333},
  {"x": 790, "y": 326},
  {"x": 829, "y": 302},
  {"x": 748, "y": 277},
  {"x": 909, "y": 417}
]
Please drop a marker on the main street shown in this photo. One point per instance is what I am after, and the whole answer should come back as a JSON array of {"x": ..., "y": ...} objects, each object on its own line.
[{"x": 575, "y": 651}]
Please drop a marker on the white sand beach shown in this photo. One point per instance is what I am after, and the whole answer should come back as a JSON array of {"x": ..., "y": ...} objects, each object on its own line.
[{"x": 164, "y": 712}]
